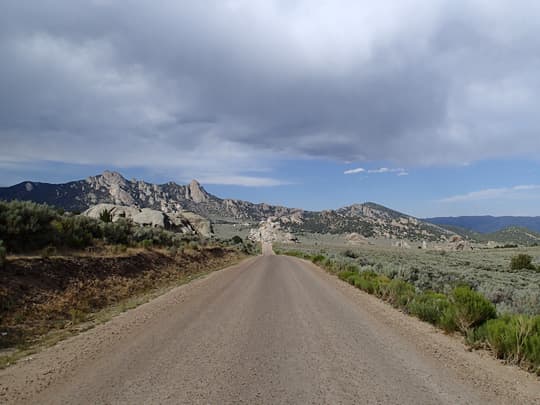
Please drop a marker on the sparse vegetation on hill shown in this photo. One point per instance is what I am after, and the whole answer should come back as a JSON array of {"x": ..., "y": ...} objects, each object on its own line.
[{"x": 367, "y": 220}]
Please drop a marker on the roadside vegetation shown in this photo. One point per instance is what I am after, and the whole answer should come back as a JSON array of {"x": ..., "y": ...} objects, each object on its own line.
[
  {"x": 501, "y": 275},
  {"x": 59, "y": 271},
  {"x": 514, "y": 338},
  {"x": 31, "y": 228}
]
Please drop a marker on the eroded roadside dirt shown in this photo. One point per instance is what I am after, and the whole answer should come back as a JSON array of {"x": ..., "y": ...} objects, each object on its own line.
[{"x": 38, "y": 295}]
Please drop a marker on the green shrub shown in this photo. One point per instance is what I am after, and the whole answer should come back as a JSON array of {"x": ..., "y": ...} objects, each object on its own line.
[
  {"x": 367, "y": 281},
  {"x": 351, "y": 267},
  {"x": 365, "y": 284},
  {"x": 351, "y": 254},
  {"x": 514, "y": 338},
  {"x": 505, "y": 337},
  {"x": 117, "y": 232},
  {"x": 447, "y": 322},
  {"x": 352, "y": 279},
  {"x": 106, "y": 216},
  {"x": 532, "y": 350},
  {"x": 318, "y": 259},
  {"x": 381, "y": 287},
  {"x": 26, "y": 225},
  {"x": 147, "y": 243},
  {"x": 344, "y": 275},
  {"x": 522, "y": 261},
  {"x": 369, "y": 275},
  {"x": 429, "y": 306},
  {"x": 469, "y": 308},
  {"x": 76, "y": 231},
  {"x": 237, "y": 240},
  {"x": 400, "y": 293}
]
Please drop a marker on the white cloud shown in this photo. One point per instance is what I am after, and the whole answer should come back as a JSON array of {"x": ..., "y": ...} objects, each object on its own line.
[
  {"x": 492, "y": 193},
  {"x": 386, "y": 170},
  {"x": 381, "y": 170},
  {"x": 353, "y": 171}
]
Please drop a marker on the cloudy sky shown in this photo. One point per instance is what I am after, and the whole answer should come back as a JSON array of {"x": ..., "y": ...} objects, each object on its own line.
[{"x": 430, "y": 107}]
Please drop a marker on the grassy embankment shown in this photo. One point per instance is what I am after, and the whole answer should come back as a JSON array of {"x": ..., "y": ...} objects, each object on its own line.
[{"x": 514, "y": 338}]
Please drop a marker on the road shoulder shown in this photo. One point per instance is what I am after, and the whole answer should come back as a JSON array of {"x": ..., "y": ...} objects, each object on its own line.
[{"x": 476, "y": 368}]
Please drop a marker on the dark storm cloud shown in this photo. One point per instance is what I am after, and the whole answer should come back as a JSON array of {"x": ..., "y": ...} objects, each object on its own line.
[{"x": 225, "y": 86}]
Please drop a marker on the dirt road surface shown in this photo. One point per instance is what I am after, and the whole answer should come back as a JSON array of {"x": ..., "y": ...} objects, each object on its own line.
[{"x": 272, "y": 330}]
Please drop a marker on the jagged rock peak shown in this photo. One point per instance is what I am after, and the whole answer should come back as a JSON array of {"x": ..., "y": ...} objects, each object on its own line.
[
  {"x": 107, "y": 178},
  {"x": 196, "y": 192},
  {"x": 113, "y": 177}
]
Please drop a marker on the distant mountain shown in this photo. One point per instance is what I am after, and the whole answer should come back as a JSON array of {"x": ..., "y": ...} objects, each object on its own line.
[
  {"x": 112, "y": 188},
  {"x": 510, "y": 235},
  {"x": 487, "y": 224},
  {"x": 367, "y": 219},
  {"x": 370, "y": 220},
  {"x": 513, "y": 234}
]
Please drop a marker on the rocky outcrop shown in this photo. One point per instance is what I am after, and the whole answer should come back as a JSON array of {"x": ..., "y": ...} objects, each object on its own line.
[
  {"x": 402, "y": 244},
  {"x": 356, "y": 239},
  {"x": 201, "y": 224},
  {"x": 196, "y": 193},
  {"x": 149, "y": 217},
  {"x": 270, "y": 231}
]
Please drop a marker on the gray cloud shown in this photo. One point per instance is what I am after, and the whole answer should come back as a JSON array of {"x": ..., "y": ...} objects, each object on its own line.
[{"x": 220, "y": 88}]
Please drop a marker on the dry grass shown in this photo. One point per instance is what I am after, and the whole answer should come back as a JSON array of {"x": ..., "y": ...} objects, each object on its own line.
[{"x": 43, "y": 301}]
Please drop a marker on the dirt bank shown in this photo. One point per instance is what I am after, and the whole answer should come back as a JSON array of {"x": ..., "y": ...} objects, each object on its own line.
[{"x": 41, "y": 294}]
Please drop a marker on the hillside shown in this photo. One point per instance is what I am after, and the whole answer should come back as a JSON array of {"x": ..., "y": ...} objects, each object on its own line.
[
  {"x": 369, "y": 220},
  {"x": 487, "y": 223},
  {"x": 112, "y": 188},
  {"x": 514, "y": 234}
]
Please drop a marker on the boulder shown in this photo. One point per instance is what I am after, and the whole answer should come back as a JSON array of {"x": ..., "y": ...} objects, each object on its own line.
[
  {"x": 176, "y": 222},
  {"x": 402, "y": 244},
  {"x": 201, "y": 224}
]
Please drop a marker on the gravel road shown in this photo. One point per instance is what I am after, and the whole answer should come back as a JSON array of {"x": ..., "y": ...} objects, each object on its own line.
[{"x": 271, "y": 330}]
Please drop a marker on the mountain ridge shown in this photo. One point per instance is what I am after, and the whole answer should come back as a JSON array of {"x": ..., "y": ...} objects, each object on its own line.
[
  {"x": 111, "y": 187},
  {"x": 485, "y": 224},
  {"x": 368, "y": 219}
]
